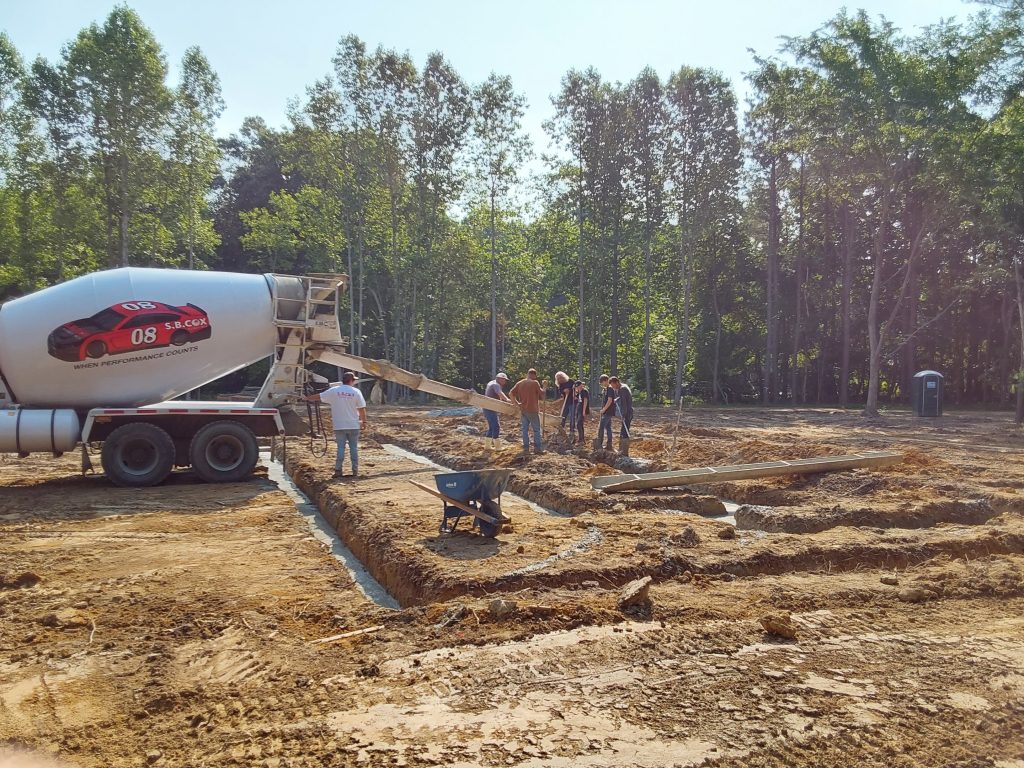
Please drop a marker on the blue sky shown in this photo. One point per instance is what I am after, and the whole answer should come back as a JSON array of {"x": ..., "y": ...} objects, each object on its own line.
[{"x": 268, "y": 52}]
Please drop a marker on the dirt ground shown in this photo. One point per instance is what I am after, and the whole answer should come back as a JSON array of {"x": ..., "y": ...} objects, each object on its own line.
[{"x": 869, "y": 617}]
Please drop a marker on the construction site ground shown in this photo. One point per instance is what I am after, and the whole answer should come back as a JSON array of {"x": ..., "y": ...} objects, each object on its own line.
[{"x": 864, "y": 617}]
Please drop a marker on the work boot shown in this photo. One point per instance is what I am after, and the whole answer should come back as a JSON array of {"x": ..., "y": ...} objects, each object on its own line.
[
  {"x": 338, "y": 474},
  {"x": 624, "y": 446}
]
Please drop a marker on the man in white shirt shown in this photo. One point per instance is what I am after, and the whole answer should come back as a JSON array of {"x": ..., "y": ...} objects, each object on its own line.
[{"x": 348, "y": 416}]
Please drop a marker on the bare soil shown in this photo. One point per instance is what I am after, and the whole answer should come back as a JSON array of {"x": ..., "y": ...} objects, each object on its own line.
[{"x": 864, "y": 617}]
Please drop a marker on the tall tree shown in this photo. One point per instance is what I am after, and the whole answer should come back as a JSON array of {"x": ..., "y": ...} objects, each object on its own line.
[
  {"x": 120, "y": 71},
  {"x": 197, "y": 105},
  {"x": 646, "y": 149},
  {"x": 500, "y": 150}
]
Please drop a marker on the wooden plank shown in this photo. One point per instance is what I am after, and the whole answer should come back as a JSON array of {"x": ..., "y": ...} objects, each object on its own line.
[
  {"x": 383, "y": 369},
  {"x": 449, "y": 500},
  {"x": 614, "y": 483}
]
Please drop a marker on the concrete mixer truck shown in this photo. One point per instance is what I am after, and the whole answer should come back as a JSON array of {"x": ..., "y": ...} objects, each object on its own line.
[{"x": 99, "y": 359}]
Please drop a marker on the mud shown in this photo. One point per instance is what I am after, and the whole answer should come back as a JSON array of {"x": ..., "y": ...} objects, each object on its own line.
[{"x": 868, "y": 618}]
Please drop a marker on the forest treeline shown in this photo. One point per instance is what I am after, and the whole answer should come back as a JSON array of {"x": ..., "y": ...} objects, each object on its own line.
[{"x": 859, "y": 219}]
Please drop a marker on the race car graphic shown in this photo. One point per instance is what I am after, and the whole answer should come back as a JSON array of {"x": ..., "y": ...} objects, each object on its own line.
[{"x": 128, "y": 327}]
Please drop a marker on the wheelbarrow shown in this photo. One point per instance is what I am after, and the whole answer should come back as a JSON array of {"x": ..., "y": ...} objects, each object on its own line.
[{"x": 475, "y": 494}]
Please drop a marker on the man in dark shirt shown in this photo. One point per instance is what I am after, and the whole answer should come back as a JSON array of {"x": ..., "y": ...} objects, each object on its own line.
[
  {"x": 624, "y": 407},
  {"x": 581, "y": 408},
  {"x": 607, "y": 411},
  {"x": 563, "y": 385}
]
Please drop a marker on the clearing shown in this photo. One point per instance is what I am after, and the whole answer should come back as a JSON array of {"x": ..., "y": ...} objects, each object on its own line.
[{"x": 870, "y": 617}]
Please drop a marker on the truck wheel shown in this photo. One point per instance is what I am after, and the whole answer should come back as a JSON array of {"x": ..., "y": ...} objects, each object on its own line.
[
  {"x": 224, "y": 452},
  {"x": 137, "y": 455}
]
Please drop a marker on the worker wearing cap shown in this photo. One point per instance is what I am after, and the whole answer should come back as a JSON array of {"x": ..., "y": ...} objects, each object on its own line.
[
  {"x": 494, "y": 389},
  {"x": 348, "y": 416}
]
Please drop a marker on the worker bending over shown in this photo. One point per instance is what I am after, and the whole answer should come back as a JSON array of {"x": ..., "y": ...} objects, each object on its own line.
[{"x": 495, "y": 390}]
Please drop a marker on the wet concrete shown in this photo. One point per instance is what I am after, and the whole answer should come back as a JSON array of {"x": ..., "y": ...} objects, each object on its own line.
[{"x": 324, "y": 533}]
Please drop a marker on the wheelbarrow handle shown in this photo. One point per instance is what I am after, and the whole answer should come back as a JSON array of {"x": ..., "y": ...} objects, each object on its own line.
[{"x": 464, "y": 507}]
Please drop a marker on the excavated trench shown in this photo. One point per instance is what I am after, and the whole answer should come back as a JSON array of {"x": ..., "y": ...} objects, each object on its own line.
[
  {"x": 327, "y": 535},
  {"x": 605, "y": 541}
]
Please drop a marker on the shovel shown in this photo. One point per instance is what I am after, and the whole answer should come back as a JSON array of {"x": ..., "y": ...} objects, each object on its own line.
[{"x": 623, "y": 441}]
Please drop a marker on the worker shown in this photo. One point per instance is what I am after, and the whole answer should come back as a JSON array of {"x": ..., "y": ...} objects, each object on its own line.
[
  {"x": 563, "y": 387},
  {"x": 624, "y": 407},
  {"x": 607, "y": 412},
  {"x": 495, "y": 390},
  {"x": 581, "y": 409},
  {"x": 348, "y": 416},
  {"x": 528, "y": 394},
  {"x": 377, "y": 396}
]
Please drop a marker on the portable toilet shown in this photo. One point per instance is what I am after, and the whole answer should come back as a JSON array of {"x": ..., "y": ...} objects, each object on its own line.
[{"x": 927, "y": 393}]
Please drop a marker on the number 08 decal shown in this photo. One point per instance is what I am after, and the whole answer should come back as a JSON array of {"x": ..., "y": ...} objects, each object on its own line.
[
  {"x": 144, "y": 335},
  {"x": 128, "y": 327}
]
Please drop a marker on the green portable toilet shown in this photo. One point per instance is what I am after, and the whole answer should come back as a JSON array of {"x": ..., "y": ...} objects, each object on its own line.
[{"x": 927, "y": 393}]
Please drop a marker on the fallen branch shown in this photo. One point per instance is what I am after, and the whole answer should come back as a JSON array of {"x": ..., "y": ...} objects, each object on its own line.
[{"x": 343, "y": 635}]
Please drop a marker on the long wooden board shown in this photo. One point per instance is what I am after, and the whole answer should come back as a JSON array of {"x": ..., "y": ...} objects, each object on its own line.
[
  {"x": 614, "y": 483},
  {"x": 383, "y": 369}
]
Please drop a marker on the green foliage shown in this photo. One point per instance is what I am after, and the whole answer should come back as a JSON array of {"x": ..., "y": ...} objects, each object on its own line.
[{"x": 865, "y": 220}]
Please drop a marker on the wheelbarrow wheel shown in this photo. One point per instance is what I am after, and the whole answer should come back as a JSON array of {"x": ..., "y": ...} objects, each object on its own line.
[{"x": 490, "y": 530}]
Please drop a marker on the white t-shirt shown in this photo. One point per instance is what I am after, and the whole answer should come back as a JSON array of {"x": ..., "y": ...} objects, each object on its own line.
[{"x": 345, "y": 402}]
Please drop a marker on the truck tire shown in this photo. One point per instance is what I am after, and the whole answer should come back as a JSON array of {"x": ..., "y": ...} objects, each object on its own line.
[
  {"x": 224, "y": 452},
  {"x": 137, "y": 455}
]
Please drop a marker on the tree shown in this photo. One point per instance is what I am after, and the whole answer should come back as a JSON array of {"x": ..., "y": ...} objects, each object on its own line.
[
  {"x": 646, "y": 150},
  {"x": 500, "y": 149},
  {"x": 197, "y": 105},
  {"x": 120, "y": 72},
  {"x": 703, "y": 160}
]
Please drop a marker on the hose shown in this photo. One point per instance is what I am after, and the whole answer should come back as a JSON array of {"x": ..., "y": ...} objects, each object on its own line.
[{"x": 319, "y": 445}]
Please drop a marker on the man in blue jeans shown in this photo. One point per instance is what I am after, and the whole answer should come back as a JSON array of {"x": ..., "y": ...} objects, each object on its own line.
[
  {"x": 348, "y": 416},
  {"x": 494, "y": 389},
  {"x": 604, "y": 430},
  {"x": 528, "y": 394}
]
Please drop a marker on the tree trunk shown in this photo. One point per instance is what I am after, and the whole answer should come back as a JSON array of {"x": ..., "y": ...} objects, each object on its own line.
[
  {"x": 124, "y": 215},
  {"x": 351, "y": 300},
  {"x": 647, "y": 317},
  {"x": 1019, "y": 279},
  {"x": 1006, "y": 324},
  {"x": 494, "y": 293},
  {"x": 579, "y": 245},
  {"x": 616, "y": 268},
  {"x": 874, "y": 327},
  {"x": 683, "y": 326},
  {"x": 844, "y": 363},
  {"x": 797, "y": 317},
  {"x": 768, "y": 385},
  {"x": 716, "y": 391}
]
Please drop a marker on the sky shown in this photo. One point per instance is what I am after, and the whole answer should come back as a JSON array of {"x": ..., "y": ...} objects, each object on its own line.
[{"x": 268, "y": 52}]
